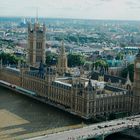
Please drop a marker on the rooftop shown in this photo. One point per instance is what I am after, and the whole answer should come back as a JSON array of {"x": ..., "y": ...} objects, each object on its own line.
[{"x": 14, "y": 69}]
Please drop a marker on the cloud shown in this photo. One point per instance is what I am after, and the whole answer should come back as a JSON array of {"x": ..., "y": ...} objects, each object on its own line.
[
  {"x": 106, "y": 0},
  {"x": 99, "y": 9},
  {"x": 135, "y": 4},
  {"x": 131, "y": 3}
]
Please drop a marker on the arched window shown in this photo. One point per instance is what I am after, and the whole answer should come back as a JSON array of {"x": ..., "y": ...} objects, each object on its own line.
[{"x": 128, "y": 87}]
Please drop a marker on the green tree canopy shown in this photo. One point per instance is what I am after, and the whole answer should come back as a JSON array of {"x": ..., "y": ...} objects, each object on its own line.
[
  {"x": 100, "y": 62},
  {"x": 10, "y": 58},
  {"x": 51, "y": 59},
  {"x": 130, "y": 69},
  {"x": 120, "y": 56},
  {"x": 75, "y": 59}
]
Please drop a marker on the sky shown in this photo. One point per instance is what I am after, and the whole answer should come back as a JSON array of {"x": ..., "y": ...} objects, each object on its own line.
[{"x": 80, "y": 9}]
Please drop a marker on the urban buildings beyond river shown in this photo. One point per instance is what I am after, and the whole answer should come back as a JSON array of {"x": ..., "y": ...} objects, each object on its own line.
[{"x": 87, "y": 95}]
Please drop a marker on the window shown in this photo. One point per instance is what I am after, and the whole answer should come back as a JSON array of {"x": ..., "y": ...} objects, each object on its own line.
[
  {"x": 38, "y": 58},
  {"x": 80, "y": 93}
]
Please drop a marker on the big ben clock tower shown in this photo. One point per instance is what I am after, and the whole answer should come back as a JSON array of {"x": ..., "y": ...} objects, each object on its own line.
[{"x": 137, "y": 75}]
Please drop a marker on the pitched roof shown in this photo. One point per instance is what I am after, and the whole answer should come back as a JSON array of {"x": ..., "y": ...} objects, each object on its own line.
[{"x": 107, "y": 77}]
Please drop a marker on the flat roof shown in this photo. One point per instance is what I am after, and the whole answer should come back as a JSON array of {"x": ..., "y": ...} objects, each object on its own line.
[{"x": 66, "y": 84}]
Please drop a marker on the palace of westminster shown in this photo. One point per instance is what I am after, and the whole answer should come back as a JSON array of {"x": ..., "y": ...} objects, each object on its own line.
[{"x": 100, "y": 95}]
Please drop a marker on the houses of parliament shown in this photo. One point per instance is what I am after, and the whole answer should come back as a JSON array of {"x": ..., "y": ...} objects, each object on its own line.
[{"x": 97, "y": 96}]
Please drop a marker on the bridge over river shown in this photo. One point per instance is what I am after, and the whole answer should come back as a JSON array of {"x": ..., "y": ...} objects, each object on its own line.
[{"x": 98, "y": 131}]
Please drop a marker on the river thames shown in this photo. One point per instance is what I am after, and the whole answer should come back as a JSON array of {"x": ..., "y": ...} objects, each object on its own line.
[{"x": 22, "y": 117}]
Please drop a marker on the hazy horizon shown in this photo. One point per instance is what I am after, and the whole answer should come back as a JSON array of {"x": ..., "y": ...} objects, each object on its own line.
[{"x": 74, "y": 9}]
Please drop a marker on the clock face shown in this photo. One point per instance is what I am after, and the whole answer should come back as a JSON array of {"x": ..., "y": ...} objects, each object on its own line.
[{"x": 137, "y": 65}]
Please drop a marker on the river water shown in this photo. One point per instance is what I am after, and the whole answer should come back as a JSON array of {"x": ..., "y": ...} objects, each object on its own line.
[{"x": 22, "y": 117}]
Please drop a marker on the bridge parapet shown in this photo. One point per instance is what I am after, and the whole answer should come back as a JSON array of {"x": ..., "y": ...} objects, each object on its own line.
[{"x": 97, "y": 131}]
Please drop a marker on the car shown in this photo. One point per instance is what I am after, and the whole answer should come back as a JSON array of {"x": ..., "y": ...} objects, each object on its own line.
[{"x": 100, "y": 127}]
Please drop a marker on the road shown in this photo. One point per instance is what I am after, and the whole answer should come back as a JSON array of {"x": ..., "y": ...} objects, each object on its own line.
[{"x": 95, "y": 130}]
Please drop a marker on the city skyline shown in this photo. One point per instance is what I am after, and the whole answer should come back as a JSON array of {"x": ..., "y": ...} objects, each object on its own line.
[{"x": 81, "y": 9}]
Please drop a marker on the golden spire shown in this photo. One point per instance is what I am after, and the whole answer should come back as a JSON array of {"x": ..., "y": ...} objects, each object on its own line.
[
  {"x": 128, "y": 81},
  {"x": 36, "y": 19},
  {"x": 19, "y": 64},
  {"x": 128, "y": 76},
  {"x": 62, "y": 48}
]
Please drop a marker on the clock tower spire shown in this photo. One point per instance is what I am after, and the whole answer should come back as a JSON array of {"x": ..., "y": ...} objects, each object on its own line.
[{"x": 137, "y": 75}]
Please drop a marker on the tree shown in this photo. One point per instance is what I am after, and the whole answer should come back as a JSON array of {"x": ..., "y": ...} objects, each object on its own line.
[
  {"x": 120, "y": 56},
  {"x": 75, "y": 59},
  {"x": 130, "y": 69},
  {"x": 9, "y": 58},
  {"x": 100, "y": 63},
  {"x": 51, "y": 59}
]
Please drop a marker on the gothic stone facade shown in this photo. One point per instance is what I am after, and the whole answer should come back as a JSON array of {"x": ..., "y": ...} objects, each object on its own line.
[
  {"x": 80, "y": 96},
  {"x": 77, "y": 95},
  {"x": 36, "y": 44}
]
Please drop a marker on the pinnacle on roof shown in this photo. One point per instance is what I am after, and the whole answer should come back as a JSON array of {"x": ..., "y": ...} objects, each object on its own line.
[
  {"x": 36, "y": 19},
  {"x": 128, "y": 81},
  {"x": 128, "y": 76},
  {"x": 62, "y": 48}
]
